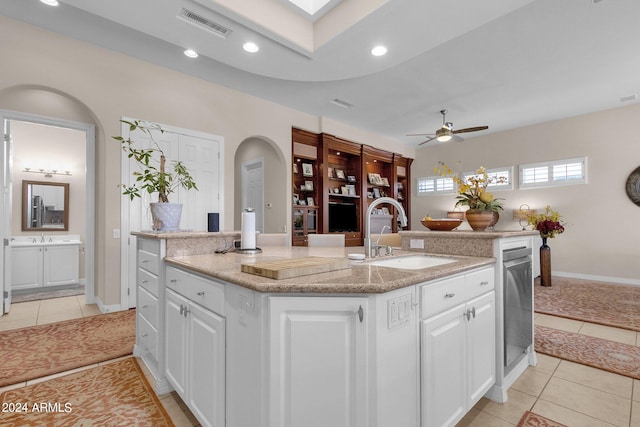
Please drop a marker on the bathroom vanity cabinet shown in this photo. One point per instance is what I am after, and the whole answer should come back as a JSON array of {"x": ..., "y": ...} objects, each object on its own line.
[{"x": 42, "y": 265}]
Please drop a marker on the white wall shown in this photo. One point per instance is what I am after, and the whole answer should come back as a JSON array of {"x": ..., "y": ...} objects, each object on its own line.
[
  {"x": 48, "y": 74},
  {"x": 602, "y": 237}
]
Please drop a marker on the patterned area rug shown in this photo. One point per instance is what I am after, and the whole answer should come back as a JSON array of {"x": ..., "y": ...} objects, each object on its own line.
[
  {"x": 116, "y": 394},
  {"x": 530, "y": 419},
  {"x": 38, "y": 351},
  {"x": 595, "y": 302},
  {"x": 607, "y": 355}
]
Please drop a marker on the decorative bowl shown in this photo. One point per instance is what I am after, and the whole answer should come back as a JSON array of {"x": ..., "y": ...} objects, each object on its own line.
[{"x": 441, "y": 224}]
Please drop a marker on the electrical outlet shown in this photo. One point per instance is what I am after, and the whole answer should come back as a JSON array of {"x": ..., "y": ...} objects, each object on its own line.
[
  {"x": 416, "y": 244},
  {"x": 116, "y": 233}
]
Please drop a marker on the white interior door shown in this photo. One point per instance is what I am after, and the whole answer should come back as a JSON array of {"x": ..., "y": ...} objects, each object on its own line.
[
  {"x": 253, "y": 190},
  {"x": 202, "y": 155},
  {"x": 5, "y": 265}
]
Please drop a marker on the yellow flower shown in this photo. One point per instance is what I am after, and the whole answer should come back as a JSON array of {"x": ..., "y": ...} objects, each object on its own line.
[{"x": 486, "y": 197}]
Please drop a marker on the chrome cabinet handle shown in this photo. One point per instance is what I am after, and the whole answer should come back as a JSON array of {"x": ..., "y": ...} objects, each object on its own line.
[
  {"x": 144, "y": 261},
  {"x": 173, "y": 281},
  {"x": 145, "y": 306},
  {"x": 449, "y": 295},
  {"x": 181, "y": 310},
  {"x": 186, "y": 311},
  {"x": 200, "y": 294},
  {"x": 145, "y": 335},
  {"x": 361, "y": 314},
  {"x": 484, "y": 283},
  {"x": 473, "y": 311}
]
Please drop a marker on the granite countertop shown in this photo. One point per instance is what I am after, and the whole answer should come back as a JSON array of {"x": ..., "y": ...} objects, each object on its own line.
[
  {"x": 183, "y": 234},
  {"x": 495, "y": 234},
  {"x": 361, "y": 278}
]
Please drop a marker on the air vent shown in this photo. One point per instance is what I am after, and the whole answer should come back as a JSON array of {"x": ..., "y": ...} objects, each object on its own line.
[
  {"x": 204, "y": 23},
  {"x": 341, "y": 103},
  {"x": 597, "y": 1},
  {"x": 628, "y": 98}
]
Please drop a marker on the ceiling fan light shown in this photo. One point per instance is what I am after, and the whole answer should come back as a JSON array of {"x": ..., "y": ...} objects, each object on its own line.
[{"x": 444, "y": 134}]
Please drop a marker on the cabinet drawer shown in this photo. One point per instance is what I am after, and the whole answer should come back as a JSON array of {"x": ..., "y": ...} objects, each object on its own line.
[
  {"x": 479, "y": 282},
  {"x": 150, "y": 261},
  {"x": 177, "y": 280},
  {"x": 442, "y": 295},
  {"x": 207, "y": 293},
  {"x": 148, "y": 281},
  {"x": 148, "y": 337},
  {"x": 148, "y": 306}
]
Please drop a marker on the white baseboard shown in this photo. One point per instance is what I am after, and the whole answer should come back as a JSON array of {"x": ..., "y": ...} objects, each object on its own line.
[
  {"x": 107, "y": 308},
  {"x": 621, "y": 280}
]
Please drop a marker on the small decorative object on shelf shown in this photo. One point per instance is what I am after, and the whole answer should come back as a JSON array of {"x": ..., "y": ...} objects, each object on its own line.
[
  {"x": 307, "y": 169},
  {"x": 548, "y": 225},
  {"x": 472, "y": 192}
]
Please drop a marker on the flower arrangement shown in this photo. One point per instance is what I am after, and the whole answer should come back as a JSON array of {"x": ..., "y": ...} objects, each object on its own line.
[
  {"x": 472, "y": 191},
  {"x": 548, "y": 223}
]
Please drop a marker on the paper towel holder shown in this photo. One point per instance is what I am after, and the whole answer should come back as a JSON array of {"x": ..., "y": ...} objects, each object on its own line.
[{"x": 249, "y": 251}]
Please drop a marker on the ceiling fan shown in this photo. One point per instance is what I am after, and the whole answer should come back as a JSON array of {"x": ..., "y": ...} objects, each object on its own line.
[{"x": 446, "y": 132}]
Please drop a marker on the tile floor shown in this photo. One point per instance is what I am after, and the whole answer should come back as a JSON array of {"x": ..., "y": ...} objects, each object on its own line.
[{"x": 567, "y": 392}]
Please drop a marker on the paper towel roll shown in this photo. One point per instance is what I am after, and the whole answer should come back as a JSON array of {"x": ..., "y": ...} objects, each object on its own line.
[{"x": 248, "y": 230}]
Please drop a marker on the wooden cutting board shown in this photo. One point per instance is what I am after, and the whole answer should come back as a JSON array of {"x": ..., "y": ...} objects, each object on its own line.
[{"x": 288, "y": 268}]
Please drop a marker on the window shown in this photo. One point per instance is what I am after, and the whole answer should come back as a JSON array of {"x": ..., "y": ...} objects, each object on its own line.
[
  {"x": 435, "y": 185},
  {"x": 494, "y": 176},
  {"x": 554, "y": 173}
]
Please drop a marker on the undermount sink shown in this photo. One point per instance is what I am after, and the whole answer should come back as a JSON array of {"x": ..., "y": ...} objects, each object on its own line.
[{"x": 413, "y": 262}]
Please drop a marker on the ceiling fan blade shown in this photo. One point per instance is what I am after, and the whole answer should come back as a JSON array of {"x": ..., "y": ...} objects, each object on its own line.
[
  {"x": 475, "y": 129},
  {"x": 428, "y": 140},
  {"x": 419, "y": 134}
]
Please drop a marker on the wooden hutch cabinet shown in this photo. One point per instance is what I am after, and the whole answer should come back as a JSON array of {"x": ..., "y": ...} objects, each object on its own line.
[
  {"x": 306, "y": 186},
  {"x": 335, "y": 180}
]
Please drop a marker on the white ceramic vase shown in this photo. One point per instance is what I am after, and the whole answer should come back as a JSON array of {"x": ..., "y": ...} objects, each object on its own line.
[{"x": 166, "y": 216}]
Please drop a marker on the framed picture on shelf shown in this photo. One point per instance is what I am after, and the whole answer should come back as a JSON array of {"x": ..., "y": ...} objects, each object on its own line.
[
  {"x": 307, "y": 169},
  {"x": 296, "y": 199},
  {"x": 351, "y": 178},
  {"x": 340, "y": 174},
  {"x": 376, "y": 193},
  {"x": 369, "y": 195},
  {"x": 330, "y": 173},
  {"x": 385, "y": 210},
  {"x": 400, "y": 186},
  {"x": 345, "y": 190},
  {"x": 379, "y": 211},
  {"x": 351, "y": 189},
  {"x": 310, "y": 201},
  {"x": 308, "y": 185},
  {"x": 302, "y": 203},
  {"x": 295, "y": 168},
  {"x": 384, "y": 181}
]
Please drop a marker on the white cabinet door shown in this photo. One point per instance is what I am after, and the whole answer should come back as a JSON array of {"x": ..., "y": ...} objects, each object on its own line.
[
  {"x": 481, "y": 345},
  {"x": 176, "y": 341},
  {"x": 318, "y": 364},
  {"x": 206, "y": 366},
  {"x": 444, "y": 362},
  {"x": 26, "y": 267},
  {"x": 61, "y": 265}
]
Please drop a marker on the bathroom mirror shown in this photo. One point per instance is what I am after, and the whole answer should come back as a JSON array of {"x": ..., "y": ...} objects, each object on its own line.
[{"x": 45, "y": 206}]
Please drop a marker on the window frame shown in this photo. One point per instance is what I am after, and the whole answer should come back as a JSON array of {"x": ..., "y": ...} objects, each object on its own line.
[
  {"x": 434, "y": 179},
  {"x": 552, "y": 180},
  {"x": 495, "y": 186}
]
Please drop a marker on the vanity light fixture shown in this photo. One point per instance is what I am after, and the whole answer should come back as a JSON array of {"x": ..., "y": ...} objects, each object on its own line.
[
  {"x": 250, "y": 47},
  {"x": 47, "y": 173},
  {"x": 379, "y": 51},
  {"x": 191, "y": 53},
  {"x": 50, "y": 2}
]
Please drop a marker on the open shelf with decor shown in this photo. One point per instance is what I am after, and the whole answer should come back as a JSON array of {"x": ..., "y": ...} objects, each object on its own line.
[
  {"x": 402, "y": 169},
  {"x": 379, "y": 181},
  {"x": 306, "y": 186}
]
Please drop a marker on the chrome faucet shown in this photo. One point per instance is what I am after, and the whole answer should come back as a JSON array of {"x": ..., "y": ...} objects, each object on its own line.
[
  {"x": 42, "y": 238},
  {"x": 367, "y": 220}
]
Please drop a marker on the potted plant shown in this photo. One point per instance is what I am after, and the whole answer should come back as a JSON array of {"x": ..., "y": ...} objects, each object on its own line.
[
  {"x": 155, "y": 176},
  {"x": 472, "y": 192}
]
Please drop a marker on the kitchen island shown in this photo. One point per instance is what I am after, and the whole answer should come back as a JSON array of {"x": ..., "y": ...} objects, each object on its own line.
[{"x": 363, "y": 346}]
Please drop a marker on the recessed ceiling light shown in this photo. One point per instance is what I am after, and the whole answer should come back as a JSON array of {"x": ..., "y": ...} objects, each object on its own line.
[
  {"x": 191, "y": 53},
  {"x": 250, "y": 47},
  {"x": 50, "y": 2},
  {"x": 379, "y": 51}
]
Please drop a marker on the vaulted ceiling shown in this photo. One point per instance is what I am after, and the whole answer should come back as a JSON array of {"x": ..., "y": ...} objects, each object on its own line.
[{"x": 501, "y": 63}]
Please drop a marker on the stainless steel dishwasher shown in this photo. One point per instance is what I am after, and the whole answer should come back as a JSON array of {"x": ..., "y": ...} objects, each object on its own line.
[{"x": 518, "y": 305}]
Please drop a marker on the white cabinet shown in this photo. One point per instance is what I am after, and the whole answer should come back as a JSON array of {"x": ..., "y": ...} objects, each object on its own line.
[
  {"x": 457, "y": 346},
  {"x": 318, "y": 361},
  {"x": 36, "y": 266},
  {"x": 195, "y": 345}
]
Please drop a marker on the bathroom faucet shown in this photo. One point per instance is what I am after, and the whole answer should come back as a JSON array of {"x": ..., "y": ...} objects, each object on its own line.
[
  {"x": 42, "y": 238},
  {"x": 367, "y": 220}
]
